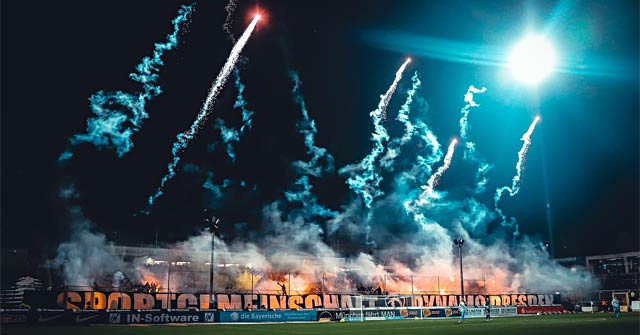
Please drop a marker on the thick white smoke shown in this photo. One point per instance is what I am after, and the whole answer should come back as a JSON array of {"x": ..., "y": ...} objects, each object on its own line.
[{"x": 413, "y": 248}]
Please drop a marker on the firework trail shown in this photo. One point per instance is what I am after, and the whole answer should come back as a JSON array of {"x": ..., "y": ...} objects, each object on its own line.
[
  {"x": 119, "y": 114},
  {"x": 382, "y": 107},
  {"x": 435, "y": 178},
  {"x": 183, "y": 139},
  {"x": 230, "y": 134},
  {"x": 394, "y": 147},
  {"x": 515, "y": 183},
  {"x": 230, "y": 8},
  {"x": 470, "y": 147},
  {"x": 321, "y": 162},
  {"x": 367, "y": 183}
]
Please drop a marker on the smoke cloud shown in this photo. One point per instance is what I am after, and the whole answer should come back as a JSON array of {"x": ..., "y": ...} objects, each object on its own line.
[
  {"x": 120, "y": 114},
  {"x": 183, "y": 139},
  {"x": 402, "y": 242},
  {"x": 469, "y": 146}
]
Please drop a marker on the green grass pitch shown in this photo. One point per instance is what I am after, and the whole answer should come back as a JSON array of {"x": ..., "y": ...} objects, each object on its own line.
[{"x": 582, "y": 324}]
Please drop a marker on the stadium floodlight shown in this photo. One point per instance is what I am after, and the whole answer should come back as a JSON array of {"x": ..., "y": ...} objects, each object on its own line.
[
  {"x": 459, "y": 243},
  {"x": 214, "y": 225},
  {"x": 532, "y": 59}
]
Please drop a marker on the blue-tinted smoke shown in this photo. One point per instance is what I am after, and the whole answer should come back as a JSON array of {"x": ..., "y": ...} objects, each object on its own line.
[
  {"x": 215, "y": 194},
  {"x": 320, "y": 162},
  {"x": 423, "y": 164},
  {"x": 214, "y": 189},
  {"x": 395, "y": 146},
  {"x": 469, "y": 146},
  {"x": 364, "y": 177},
  {"x": 183, "y": 139},
  {"x": 230, "y": 135},
  {"x": 517, "y": 178},
  {"x": 119, "y": 114}
]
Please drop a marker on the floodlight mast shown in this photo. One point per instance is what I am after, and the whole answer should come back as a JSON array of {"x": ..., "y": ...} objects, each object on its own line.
[
  {"x": 459, "y": 242},
  {"x": 214, "y": 225}
]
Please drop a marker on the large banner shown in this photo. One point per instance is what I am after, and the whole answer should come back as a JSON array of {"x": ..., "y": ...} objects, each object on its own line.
[
  {"x": 268, "y": 316},
  {"x": 96, "y": 300},
  {"x": 61, "y": 317},
  {"x": 409, "y": 313},
  {"x": 540, "y": 309}
]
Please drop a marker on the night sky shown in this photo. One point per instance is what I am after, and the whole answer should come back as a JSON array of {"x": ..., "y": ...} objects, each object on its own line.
[{"x": 55, "y": 56}]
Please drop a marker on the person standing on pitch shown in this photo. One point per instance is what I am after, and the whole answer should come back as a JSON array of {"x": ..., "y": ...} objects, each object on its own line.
[
  {"x": 487, "y": 309},
  {"x": 462, "y": 308},
  {"x": 616, "y": 307}
]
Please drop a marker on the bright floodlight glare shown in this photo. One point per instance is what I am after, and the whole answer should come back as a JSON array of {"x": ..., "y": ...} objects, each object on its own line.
[
  {"x": 409, "y": 59},
  {"x": 257, "y": 16},
  {"x": 532, "y": 59}
]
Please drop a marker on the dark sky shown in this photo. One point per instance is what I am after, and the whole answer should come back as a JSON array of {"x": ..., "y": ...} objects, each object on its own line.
[{"x": 55, "y": 56}]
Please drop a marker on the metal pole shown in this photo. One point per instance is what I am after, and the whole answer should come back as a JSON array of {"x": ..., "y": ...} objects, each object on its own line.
[
  {"x": 385, "y": 284},
  {"x": 169, "y": 277},
  {"x": 459, "y": 243},
  {"x": 545, "y": 183},
  {"x": 66, "y": 296},
  {"x": 252, "y": 284},
  {"x": 211, "y": 275},
  {"x": 484, "y": 281},
  {"x": 289, "y": 282},
  {"x": 411, "y": 288},
  {"x": 461, "y": 274}
]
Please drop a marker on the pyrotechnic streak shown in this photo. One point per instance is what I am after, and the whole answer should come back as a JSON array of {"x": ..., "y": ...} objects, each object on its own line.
[
  {"x": 522, "y": 155},
  {"x": 395, "y": 146},
  {"x": 112, "y": 127},
  {"x": 367, "y": 183},
  {"x": 516, "y": 181},
  {"x": 382, "y": 108},
  {"x": 230, "y": 8},
  {"x": 183, "y": 139},
  {"x": 435, "y": 178},
  {"x": 230, "y": 134}
]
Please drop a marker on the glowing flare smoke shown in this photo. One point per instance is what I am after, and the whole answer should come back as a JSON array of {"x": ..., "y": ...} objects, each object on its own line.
[
  {"x": 515, "y": 183},
  {"x": 522, "y": 154},
  {"x": 229, "y": 135},
  {"x": 435, "y": 178},
  {"x": 367, "y": 183},
  {"x": 119, "y": 114},
  {"x": 183, "y": 139},
  {"x": 382, "y": 108},
  {"x": 395, "y": 146}
]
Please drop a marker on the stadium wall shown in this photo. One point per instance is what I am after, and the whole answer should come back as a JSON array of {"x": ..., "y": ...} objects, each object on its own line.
[{"x": 97, "y": 300}]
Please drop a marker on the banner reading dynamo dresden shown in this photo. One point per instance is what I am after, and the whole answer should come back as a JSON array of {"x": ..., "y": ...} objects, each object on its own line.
[{"x": 126, "y": 300}]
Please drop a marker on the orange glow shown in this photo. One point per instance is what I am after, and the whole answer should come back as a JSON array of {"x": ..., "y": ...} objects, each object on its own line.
[{"x": 151, "y": 279}]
